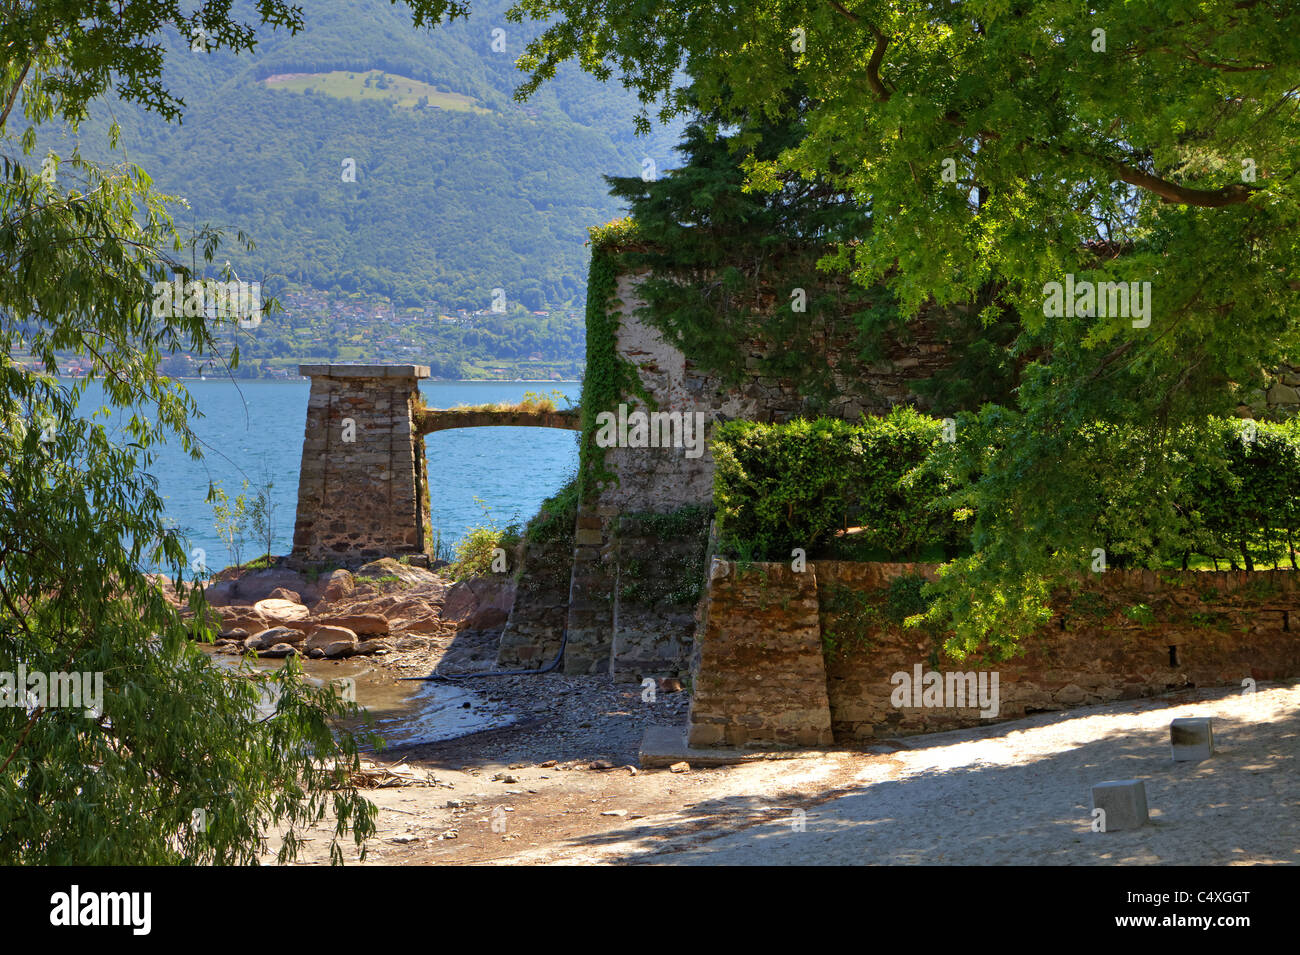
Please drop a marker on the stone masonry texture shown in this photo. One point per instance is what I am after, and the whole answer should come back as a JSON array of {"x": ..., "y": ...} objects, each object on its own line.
[
  {"x": 757, "y": 679},
  {"x": 363, "y": 486}
]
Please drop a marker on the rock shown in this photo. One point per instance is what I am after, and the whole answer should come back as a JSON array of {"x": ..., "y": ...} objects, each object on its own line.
[
  {"x": 279, "y": 650},
  {"x": 279, "y": 612},
  {"x": 251, "y": 586},
  {"x": 243, "y": 618},
  {"x": 460, "y": 602},
  {"x": 332, "y": 642},
  {"x": 274, "y": 635},
  {"x": 222, "y": 593},
  {"x": 338, "y": 585},
  {"x": 387, "y": 567},
  {"x": 253, "y": 644},
  {"x": 505, "y": 778},
  {"x": 359, "y": 623},
  {"x": 480, "y": 603},
  {"x": 600, "y": 764},
  {"x": 281, "y": 593},
  {"x": 238, "y": 633},
  {"x": 614, "y": 812},
  {"x": 374, "y": 646},
  {"x": 682, "y": 767},
  {"x": 412, "y": 643},
  {"x": 427, "y": 625}
]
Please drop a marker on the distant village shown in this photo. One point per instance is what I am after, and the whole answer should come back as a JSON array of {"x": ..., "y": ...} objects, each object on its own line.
[{"x": 509, "y": 342}]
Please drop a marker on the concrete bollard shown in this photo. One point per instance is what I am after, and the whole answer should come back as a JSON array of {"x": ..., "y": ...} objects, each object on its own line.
[
  {"x": 1192, "y": 739},
  {"x": 1123, "y": 803}
]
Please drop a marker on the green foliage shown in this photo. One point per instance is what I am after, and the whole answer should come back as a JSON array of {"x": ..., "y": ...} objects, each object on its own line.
[
  {"x": 448, "y": 203},
  {"x": 672, "y": 570},
  {"x": 549, "y": 540},
  {"x": 609, "y": 378},
  {"x": 230, "y": 519},
  {"x": 477, "y": 550},
  {"x": 175, "y": 732},
  {"x": 778, "y": 487},
  {"x": 1002, "y": 149}
]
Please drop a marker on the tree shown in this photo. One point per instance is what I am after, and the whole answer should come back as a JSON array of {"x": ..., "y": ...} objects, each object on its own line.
[
  {"x": 174, "y": 761},
  {"x": 1009, "y": 146}
]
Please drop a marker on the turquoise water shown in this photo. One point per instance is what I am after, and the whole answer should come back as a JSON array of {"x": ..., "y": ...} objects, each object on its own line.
[{"x": 253, "y": 428}]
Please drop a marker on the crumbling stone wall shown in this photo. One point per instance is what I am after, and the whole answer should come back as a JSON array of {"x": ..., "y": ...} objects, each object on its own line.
[
  {"x": 758, "y": 677},
  {"x": 535, "y": 630},
  {"x": 1203, "y": 629},
  {"x": 663, "y": 480},
  {"x": 363, "y": 486},
  {"x": 660, "y": 572}
]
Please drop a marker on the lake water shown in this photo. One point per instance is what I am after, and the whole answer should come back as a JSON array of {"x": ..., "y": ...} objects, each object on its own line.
[{"x": 250, "y": 428}]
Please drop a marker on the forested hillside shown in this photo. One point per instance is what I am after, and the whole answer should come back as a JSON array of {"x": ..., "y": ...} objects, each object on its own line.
[{"x": 454, "y": 195}]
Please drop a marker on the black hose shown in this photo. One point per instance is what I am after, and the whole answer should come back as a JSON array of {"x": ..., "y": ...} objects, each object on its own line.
[{"x": 435, "y": 675}]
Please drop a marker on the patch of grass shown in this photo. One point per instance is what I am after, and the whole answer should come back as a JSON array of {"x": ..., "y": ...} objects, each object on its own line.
[{"x": 374, "y": 86}]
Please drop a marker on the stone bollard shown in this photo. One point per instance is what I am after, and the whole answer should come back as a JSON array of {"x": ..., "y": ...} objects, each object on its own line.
[
  {"x": 1192, "y": 739},
  {"x": 1123, "y": 803}
]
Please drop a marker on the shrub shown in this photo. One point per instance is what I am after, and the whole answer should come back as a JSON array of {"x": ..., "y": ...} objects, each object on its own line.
[{"x": 1224, "y": 488}]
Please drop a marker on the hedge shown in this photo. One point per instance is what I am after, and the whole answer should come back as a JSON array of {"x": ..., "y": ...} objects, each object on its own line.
[
  {"x": 800, "y": 484},
  {"x": 787, "y": 486}
]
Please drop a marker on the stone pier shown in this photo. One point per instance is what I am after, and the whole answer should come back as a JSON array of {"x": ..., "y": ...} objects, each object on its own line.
[{"x": 363, "y": 488}]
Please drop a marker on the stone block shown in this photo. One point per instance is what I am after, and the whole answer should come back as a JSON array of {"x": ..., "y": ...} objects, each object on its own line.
[
  {"x": 1192, "y": 739},
  {"x": 1124, "y": 802}
]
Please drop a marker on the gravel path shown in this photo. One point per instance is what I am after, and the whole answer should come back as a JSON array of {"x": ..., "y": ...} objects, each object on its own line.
[{"x": 1019, "y": 794}]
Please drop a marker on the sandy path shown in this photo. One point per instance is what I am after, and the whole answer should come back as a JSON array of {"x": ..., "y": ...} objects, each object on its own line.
[
  {"x": 1013, "y": 793},
  {"x": 1018, "y": 794}
]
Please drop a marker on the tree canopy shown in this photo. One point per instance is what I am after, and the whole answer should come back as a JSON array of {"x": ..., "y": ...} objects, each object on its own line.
[
  {"x": 1029, "y": 148},
  {"x": 171, "y": 758}
]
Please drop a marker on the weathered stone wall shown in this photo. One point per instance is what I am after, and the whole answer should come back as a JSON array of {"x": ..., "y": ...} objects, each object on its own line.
[
  {"x": 363, "y": 486},
  {"x": 663, "y": 480},
  {"x": 1203, "y": 629},
  {"x": 758, "y": 677},
  {"x": 535, "y": 630},
  {"x": 656, "y": 595}
]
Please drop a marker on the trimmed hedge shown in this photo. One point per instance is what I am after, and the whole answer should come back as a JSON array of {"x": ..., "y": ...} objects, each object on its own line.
[
  {"x": 780, "y": 487},
  {"x": 797, "y": 485}
]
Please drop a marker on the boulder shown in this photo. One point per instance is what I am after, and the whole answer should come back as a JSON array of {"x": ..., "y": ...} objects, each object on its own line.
[
  {"x": 412, "y": 643},
  {"x": 460, "y": 602},
  {"x": 338, "y": 585},
  {"x": 388, "y": 567},
  {"x": 374, "y": 646},
  {"x": 332, "y": 641},
  {"x": 236, "y": 633},
  {"x": 274, "y": 635},
  {"x": 359, "y": 623},
  {"x": 279, "y": 650},
  {"x": 480, "y": 603},
  {"x": 243, "y": 618},
  {"x": 251, "y": 586},
  {"x": 283, "y": 593},
  {"x": 280, "y": 612}
]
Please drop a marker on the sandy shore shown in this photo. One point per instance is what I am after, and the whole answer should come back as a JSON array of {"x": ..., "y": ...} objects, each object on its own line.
[{"x": 1015, "y": 793}]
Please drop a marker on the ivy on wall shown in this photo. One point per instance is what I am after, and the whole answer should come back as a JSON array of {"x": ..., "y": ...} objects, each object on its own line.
[{"x": 610, "y": 378}]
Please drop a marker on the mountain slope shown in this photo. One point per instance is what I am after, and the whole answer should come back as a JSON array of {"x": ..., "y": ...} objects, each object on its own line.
[{"x": 447, "y": 203}]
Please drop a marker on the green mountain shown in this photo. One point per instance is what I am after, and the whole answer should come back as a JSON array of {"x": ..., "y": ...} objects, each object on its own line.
[{"x": 458, "y": 189}]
